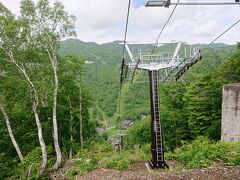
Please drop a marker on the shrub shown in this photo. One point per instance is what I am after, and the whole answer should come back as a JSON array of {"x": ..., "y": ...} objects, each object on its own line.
[
  {"x": 139, "y": 134},
  {"x": 121, "y": 160},
  {"x": 33, "y": 160},
  {"x": 203, "y": 152},
  {"x": 122, "y": 164}
]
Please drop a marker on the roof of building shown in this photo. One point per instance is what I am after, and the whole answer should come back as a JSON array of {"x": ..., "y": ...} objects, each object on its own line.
[{"x": 127, "y": 122}]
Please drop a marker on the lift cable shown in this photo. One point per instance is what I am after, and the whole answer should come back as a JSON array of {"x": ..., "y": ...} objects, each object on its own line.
[
  {"x": 151, "y": 53},
  {"x": 179, "y": 52},
  {"x": 221, "y": 35},
  {"x": 159, "y": 35},
  {"x": 124, "y": 43},
  {"x": 207, "y": 46},
  {"x": 123, "y": 56},
  {"x": 167, "y": 3},
  {"x": 205, "y": 3}
]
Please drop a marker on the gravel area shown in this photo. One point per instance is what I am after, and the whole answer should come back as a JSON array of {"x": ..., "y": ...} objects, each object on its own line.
[{"x": 138, "y": 171}]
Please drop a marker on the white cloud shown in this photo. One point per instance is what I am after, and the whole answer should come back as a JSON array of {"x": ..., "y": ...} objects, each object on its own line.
[
  {"x": 207, "y": 29},
  {"x": 104, "y": 20},
  {"x": 97, "y": 14}
]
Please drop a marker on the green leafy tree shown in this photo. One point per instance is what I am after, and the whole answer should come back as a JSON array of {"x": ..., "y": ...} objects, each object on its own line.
[
  {"x": 173, "y": 114},
  {"x": 203, "y": 104},
  {"x": 47, "y": 26},
  {"x": 14, "y": 44},
  {"x": 203, "y": 98},
  {"x": 139, "y": 134}
]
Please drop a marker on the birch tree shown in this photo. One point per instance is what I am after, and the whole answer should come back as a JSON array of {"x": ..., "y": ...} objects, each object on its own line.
[
  {"x": 70, "y": 71},
  {"x": 80, "y": 115},
  {"x": 10, "y": 132},
  {"x": 13, "y": 42},
  {"x": 49, "y": 25},
  {"x": 70, "y": 128}
]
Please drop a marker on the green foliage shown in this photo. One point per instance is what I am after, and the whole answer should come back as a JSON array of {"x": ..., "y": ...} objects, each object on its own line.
[
  {"x": 85, "y": 165},
  {"x": 105, "y": 136},
  {"x": 204, "y": 153},
  {"x": 88, "y": 158},
  {"x": 103, "y": 156},
  {"x": 189, "y": 108},
  {"x": 73, "y": 172},
  {"x": 120, "y": 164},
  {"x": 173, "y": 115},
  {"x": 203, "y": 103},
  {"x": 102, "y": 76},
  {"x": 139, "y": 134},
  {"x": 32, "y": 162},
  {"x": 203, "y": 98},
  {"x": 8, "y": 168},
  {"x": 231, "y": 69},
  {"x": 21, "y": 39},
  {"x": 121, "y": 160}
]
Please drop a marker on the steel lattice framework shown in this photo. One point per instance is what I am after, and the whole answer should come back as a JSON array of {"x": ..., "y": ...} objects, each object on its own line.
[{"x": 154, "y": 63}]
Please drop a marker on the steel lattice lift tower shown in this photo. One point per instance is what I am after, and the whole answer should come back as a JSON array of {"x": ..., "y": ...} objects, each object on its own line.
[
  {"x": 160, "y": 67},
  {"x": 154, "y": 63}
]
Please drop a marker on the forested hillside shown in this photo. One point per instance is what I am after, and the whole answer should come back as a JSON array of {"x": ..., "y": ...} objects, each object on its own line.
[
  {"x": 44, "y": 105},
  {"x": 185, "y": 110},
  {"x": 55, "y": 95}
]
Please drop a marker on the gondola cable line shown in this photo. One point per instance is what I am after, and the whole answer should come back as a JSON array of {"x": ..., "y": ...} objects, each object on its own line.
[
  {"x": 157, "y": 137},
  {"x": 205, "y": 47},
  {"x": 123, "y": 57},
  {"x": 156, "y": 44}
]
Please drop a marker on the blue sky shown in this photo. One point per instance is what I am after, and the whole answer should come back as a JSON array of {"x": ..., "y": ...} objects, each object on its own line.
[
  {"x": 104, "y": 21},
  {"x": 139, "y": 2}
]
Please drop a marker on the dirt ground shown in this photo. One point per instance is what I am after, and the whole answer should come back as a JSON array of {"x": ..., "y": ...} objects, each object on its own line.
[{"x": 139, "y": 171}]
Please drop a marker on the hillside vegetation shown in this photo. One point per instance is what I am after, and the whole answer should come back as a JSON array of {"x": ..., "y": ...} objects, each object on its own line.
[{"x": 55, "y": 96}]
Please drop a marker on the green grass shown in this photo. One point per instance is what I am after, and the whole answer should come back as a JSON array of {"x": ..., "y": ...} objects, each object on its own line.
[
  {"x": 204, "y": 153},
  {"x": 103, "y": 156},
  {"x": 197, "y": 154},
  {"x": 121, "y": 160}
]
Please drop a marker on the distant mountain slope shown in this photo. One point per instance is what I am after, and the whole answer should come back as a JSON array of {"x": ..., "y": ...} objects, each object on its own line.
[
  {"x": 109, "y": 53},
  {"x": 103, "y": 75}
]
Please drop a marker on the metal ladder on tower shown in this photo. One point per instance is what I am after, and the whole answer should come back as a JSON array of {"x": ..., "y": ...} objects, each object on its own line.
[{"x": 157, "y": 138}]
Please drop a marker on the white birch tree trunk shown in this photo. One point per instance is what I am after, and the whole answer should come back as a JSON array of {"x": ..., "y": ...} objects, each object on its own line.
[
  {"x": 80, "y": 116},
  {"x": 54, "y": 115},
  {"x": 34, "y": 97},
  {"x": 40, "y": 137},
  {"x": 71, "y": 129},
  {"x": 14, "y": 142}
]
